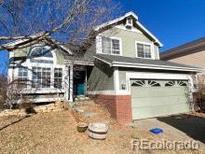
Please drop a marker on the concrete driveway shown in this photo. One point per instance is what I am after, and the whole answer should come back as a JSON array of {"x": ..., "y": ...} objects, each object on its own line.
[{"x": 177, "y": 127}]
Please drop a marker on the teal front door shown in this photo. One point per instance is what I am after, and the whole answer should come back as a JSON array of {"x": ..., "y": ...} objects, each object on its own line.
[
  {"x": 154, "y": 98},
  {"x": 79, "y": 83},
  {"x": 80, "y": 89}
]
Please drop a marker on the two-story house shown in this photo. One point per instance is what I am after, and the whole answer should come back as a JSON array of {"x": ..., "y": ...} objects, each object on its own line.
[{"x": 121, "y": 70}]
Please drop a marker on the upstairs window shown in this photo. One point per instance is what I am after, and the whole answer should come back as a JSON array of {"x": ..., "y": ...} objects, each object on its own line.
[
  {"x": 110, "y": 46},
  {"x": 143, "y": 50}
]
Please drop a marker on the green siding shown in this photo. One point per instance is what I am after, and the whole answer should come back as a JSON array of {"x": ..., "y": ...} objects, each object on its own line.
[
  {"x": 129, "y": 39},
  {"x": 21, "y": 52},
  {"x": 59, "y": 57},
  {"x": 101, "y": 78},
  {"x": 158, "y": 101}
]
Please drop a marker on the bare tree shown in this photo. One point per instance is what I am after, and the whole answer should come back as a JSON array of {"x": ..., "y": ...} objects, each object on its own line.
[
  {"x": 68, "y": 21},
  {"x": 65, "y": 20},
  {"x": 199, "y": 96}
]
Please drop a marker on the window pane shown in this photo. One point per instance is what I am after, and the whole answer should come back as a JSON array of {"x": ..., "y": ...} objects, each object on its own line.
[
  {"x": 46, "y": 77},
  {"x": 58, "y": 77},
  {"x": 147, "y": 51},
  {"x": 143, "y": 51},
  {"x": 22, "y": 77},
  {"x": 140, "y": 50},
  {"x": 115, "y": 46},
  {"x": 41, "y": 52},
  {"x": 106, "y": 45},
  {"x": 36, "y": 77}
]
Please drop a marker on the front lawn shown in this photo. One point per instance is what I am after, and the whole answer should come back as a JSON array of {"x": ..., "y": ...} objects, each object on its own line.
[{"x": 55, "y": 132}]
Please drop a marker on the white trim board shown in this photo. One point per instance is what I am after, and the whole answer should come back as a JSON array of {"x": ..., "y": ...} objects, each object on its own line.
[
  {"x": 108, "y": 92},
  {"x": 116, "y": 20},
  {"x": 42, "y": 91}
]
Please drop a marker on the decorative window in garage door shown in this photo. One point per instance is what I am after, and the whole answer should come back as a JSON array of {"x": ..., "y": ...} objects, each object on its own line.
[
  {"x": 146, "y": 83},
  {"x": 159, "y": 83},
  {"x": 176, "y": 83},
  {"x": 170, "y": 83},
  {"x": 153, "y": 83},
  {"x": 182, "y": 83},
  {"x": 139, "y": 83}
]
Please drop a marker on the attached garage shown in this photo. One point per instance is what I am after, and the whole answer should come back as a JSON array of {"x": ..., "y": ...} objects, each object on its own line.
[
  {"x": 147, "y": 88},
  {"x": 153, "y": 98}
]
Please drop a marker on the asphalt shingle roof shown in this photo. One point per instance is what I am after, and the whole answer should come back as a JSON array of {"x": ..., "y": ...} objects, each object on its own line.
[{"x": 111, "y": 59}]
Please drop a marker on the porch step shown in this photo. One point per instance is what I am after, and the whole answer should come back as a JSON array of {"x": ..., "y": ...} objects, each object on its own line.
[{"x": 82, "y": 98}]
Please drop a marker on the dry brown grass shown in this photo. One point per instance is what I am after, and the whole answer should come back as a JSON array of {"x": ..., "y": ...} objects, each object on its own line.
[{"x": 55, "y": 132}]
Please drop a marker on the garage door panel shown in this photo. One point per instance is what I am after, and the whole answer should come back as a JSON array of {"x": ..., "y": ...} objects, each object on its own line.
[
  {"x": 150, "y": 91},
  {"x": 156, "y": 111},
  {"x": 148, "y": 102},
  {"x": 156, "y": 101}
]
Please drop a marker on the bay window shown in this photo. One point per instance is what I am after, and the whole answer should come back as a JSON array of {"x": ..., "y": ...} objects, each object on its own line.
[
  {"x": 41, "y": 77},
  {"x": 22, "y": 77},
  {"x": 58, "y": 78}
]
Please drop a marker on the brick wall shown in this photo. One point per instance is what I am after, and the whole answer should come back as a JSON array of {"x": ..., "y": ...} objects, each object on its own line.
[{"x": 119, "y": 106}]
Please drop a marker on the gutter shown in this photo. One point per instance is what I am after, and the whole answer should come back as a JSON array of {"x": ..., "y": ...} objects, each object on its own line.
[
  {"x": 150, "y": 66},
  {"x": 110, "y": 64}
]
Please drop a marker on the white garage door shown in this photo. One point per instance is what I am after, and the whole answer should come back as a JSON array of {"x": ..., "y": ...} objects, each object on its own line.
[{"x": 153, "y": 98}]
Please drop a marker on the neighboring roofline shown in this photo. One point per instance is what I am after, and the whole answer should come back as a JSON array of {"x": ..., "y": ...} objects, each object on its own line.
[
  {"x": 97, "y": 28},
  {"x": 184, "y": 49},
  {"x": 150, "y": 66}
]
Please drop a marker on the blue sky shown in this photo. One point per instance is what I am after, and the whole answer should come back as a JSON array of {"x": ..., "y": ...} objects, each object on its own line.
[{"x": 173, "y": 22}]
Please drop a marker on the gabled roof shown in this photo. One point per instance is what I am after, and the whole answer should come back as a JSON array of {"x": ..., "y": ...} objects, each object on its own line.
[
  {"x": 136, "y": 22},
  {"x": 33, "y": 39},
  {"x": 120, "y": 61},
  {"x": 185, "y": 49}
]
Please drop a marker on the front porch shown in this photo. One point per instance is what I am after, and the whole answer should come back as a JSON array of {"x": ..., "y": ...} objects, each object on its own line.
[{"x": 81, "y": 74}]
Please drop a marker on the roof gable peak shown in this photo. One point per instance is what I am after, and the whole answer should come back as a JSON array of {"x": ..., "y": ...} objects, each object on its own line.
[{"x": 128, "y": 14}]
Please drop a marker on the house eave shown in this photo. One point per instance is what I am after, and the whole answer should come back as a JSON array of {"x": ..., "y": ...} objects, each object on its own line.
[
  {"x": 150, "y": 66},
  {"x": 156, "y": 67}
]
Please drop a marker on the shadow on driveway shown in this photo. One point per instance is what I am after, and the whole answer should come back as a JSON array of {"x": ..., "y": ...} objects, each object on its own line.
[{"x": 193, "y": 126}]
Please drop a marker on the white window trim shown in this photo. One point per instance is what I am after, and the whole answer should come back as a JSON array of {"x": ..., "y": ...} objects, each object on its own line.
[
  {"x": 99, "y": 47},
  {"x": 54, "y": 59},
  {"x": 52, "y": 66},
  {"x": 151, "y": 48},
  {"x": 30, "y": 64}
]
